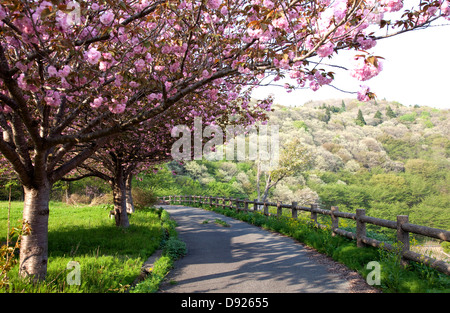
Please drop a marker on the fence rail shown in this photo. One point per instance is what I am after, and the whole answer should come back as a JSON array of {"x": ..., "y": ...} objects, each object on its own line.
[{"x": 402, "y": 225}]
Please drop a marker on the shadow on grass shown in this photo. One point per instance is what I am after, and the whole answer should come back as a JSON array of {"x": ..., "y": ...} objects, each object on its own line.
[{"x": 135, "y": 241}]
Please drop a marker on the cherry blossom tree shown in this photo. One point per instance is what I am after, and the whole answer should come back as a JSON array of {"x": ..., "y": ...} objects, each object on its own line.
[
  {"x": 117, "y": 162},
  {"x": 74, "y": 74}
]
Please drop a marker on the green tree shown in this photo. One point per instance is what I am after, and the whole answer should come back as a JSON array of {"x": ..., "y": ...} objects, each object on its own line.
[
  {"x": 390, "y": 113},
  {"x": 378, "y": 115},
  {"x": 360, "y": 119},
  {"x": 294, "y": 159},
  {"x": 343, "y": 108}
]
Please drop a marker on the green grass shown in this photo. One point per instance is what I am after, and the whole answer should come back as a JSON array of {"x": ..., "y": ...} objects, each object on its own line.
[
  {"x": 172, "y": 249},
  {"x": 110, "y": 258},
  {"x": 415, "y": 278}
]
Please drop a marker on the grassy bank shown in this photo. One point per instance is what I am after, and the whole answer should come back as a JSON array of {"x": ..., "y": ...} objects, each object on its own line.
[
  {"x": 415, "y": 278},
  {"x": 110, "y": 258},
  {"x": 172, "y": 249}
]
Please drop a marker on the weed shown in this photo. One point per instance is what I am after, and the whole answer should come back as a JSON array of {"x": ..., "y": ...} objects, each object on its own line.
[{"x": 222, "y": 223}]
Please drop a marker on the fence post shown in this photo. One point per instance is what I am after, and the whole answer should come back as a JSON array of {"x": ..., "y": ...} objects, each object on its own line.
[
  {"x": 314, "y": 213},
  {"x": 255, "y": 206},
  {"x": 266, "y": 208},
  {"x": 279, "y": 209},
  {"x": 360, "y": 227},
  {"x": 246, "y": 205},
  {"x": 334, "y": 220},
  {"x": 403, "y": 236},
  {"x": 236, "y": 201},
  {"x": 294, "y": 209},
  {"x": 210, "y": 201}
]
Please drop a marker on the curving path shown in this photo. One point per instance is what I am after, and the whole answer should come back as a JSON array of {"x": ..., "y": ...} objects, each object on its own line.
[{"x": 242, "y": 258}]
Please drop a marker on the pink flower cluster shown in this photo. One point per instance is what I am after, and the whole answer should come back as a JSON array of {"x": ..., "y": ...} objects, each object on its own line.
[
  {"x": 214, "y": 4},
  {"x": 325, "y": 50},
  {"x": 445, "y": 8},
  {"x": 107, "y": 17},
  {"x": 364, "y": 94},
  {"x": 364, "y": 70},
  {"x": 391, "y": 5},
  {"x": 93, "y": 56},
  {"x": 64, "y": 72},
  {"x": 53, "y": 98}
]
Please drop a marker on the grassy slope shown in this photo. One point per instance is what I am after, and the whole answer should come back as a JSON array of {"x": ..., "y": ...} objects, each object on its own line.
[{"x": 110, "y": 257}]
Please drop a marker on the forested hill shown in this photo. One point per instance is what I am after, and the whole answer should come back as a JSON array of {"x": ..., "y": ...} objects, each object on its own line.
[
  {"x": 348, "y": 134},
  {"x": 386, "y": 157},
  {"x": 382, "y": 156}
]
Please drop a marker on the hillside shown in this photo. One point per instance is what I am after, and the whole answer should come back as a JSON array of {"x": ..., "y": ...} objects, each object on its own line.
[{"x": 340, "y": 141}]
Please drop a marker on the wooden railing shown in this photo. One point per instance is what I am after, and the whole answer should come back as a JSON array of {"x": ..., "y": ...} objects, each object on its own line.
[{"x": 402, "y": 225}]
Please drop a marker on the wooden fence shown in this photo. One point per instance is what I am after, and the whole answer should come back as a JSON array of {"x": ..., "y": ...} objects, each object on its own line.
[{"x": 402, "y": 225}]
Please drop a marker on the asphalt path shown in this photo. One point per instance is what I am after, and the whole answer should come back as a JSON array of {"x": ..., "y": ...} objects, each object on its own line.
[{"x": 242, "y": 258}]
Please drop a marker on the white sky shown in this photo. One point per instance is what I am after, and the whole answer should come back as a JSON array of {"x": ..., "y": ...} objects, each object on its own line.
[{"x": 416, "y": 71}]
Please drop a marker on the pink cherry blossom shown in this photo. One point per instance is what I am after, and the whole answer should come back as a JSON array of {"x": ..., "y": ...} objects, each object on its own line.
[
  {"x": 281, "y": 23},
  {"x": 52, "y": 71},
  {"x": 214, "y": 4},
  {"x": 97, "y": 102},
  {"x": 93, "y": 56},
  {"x": 445, "y": 8},
  {"x": 325, "y": 50},
  {"x": 392, "y": 5},
  {"x": 364, "y": 70},
  {"x": 224, "y": 10},
  {"x": 268, "y": 4},
  {"x": 139, "y": 65},
  {"x": 107, "y": 17},
  {"x": 2, "y": 12},
  {"x": 52, "y": 98},
  {"x": 65, "y": 71},
  {"x": 363, "y": 94},
  {"x": 340, "y": 9},
  {"x": 205, "y": 74}
]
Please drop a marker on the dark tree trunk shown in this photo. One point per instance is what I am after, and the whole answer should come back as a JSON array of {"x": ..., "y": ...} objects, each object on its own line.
[
  {"x": 34, "y": 247},
  {"x": 120, "y": 199}
]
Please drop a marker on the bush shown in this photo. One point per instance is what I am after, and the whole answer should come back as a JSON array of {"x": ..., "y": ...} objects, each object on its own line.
[
  {"x": 174, "y": 248},
  {"x": 409, "y": 117},
  {"x": 143, "y": 198},
  {"x": 76, "y": 199},
  {"x": 103, "y": 199}
]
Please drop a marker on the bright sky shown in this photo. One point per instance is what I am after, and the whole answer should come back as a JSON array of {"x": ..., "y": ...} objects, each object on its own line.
[{"x": 416, "y": 71}]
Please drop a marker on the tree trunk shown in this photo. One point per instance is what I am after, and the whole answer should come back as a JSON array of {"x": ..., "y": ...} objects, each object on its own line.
[
  {"x": 267, "y": 187},
  {"x": 120, "y": 202},
  {"x": 129, "y": 195},
  {"x": 34, "y": 247}
]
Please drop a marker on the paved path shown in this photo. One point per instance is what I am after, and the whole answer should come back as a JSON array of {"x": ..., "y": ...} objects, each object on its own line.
[{"x": 242, "y": 258}]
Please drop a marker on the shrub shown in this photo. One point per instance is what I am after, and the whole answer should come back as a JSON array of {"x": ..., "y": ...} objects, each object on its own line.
[
  {"x": 143, "y": 198},
  {"x": 103, "y": 199},
  {"x": 76, "y": 199},
  {"x": 174, "y": 248},
  {"x": 409, "y": 117}
]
